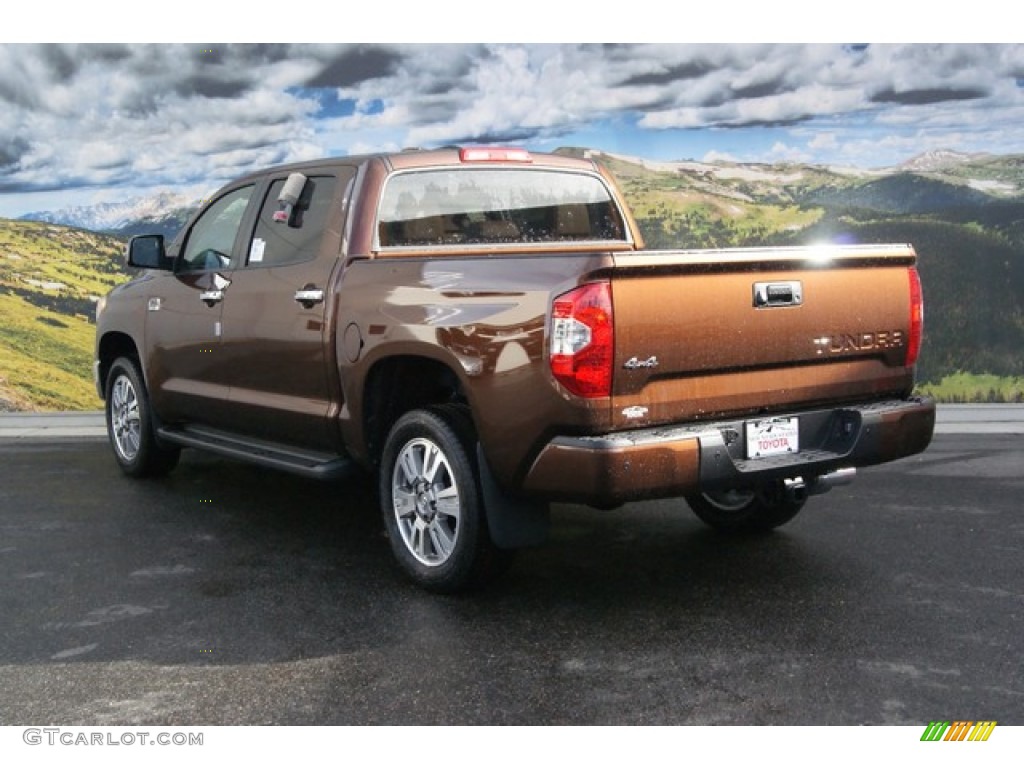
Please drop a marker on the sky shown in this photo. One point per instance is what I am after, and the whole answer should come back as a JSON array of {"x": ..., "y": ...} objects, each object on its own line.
[{"x": 88, "y": 123}]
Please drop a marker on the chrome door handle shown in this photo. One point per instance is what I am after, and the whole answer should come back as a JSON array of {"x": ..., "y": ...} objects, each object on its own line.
[
  {"x": 309, "y": 296},
  {"x": 211, "y": 297}
]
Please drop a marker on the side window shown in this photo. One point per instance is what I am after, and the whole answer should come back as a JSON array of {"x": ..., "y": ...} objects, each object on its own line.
[
  {"x": 212, "y": 237},
  {"x": 297, "y": 239}
]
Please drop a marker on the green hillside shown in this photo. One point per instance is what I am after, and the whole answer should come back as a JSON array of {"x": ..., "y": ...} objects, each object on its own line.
[
  {"x": 50, "y": 278},
  {"x": 904, "y": 193},
  {"x": 674, "y": 214}
]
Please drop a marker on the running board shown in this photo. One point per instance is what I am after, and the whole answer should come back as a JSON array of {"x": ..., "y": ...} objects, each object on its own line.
[{"x": 319, "y": 466}]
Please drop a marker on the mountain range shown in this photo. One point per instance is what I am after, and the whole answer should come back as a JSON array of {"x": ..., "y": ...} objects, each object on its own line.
[
  {"x": 162, "y": 213},
  {"x": 963, "y": 213}
]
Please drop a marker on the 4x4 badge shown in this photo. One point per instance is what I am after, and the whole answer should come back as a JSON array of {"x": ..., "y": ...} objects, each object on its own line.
[{"x": 634, "y": 362}]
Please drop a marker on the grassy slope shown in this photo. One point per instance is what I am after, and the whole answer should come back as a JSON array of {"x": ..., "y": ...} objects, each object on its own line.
[
  {"x": 976, "y": 388},
  {"x": 46, "y": 332},
  {"x": 690, "y": 209}
]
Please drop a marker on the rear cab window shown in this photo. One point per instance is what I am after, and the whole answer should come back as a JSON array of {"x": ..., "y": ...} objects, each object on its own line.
[{"x": 476, "y": 207}]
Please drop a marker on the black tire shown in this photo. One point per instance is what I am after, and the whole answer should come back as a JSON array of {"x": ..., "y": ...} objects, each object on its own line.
[
  {"x": 746, "y": 512},
  {"x": 431, "y": 501},
  {"x": 130, "y": 424}
]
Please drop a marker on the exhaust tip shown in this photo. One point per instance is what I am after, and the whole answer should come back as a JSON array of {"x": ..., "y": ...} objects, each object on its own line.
[{"x": 825, "y": 483}]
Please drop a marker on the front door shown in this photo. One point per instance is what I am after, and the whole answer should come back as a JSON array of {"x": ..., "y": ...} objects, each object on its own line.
[{"x": 188, "y": 377}]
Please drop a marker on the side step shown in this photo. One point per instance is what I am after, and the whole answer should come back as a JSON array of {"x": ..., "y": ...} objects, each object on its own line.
[{"x": 319, "y": 466}]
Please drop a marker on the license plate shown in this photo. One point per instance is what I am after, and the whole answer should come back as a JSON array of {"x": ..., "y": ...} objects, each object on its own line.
[{"x": 771, "y": 437}]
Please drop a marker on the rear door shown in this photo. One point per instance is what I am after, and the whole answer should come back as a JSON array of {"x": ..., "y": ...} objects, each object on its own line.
[{"x": 278, "y": 318}]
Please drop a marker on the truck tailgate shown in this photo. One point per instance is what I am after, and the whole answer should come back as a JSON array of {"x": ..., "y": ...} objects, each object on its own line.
[{"x": 702, "y": 335}]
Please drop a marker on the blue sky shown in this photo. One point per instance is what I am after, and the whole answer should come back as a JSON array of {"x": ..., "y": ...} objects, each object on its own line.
[{"x": 88, "y": 123}]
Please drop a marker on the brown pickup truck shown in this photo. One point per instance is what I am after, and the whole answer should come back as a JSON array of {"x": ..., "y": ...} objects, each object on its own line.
[{"x": 483, "y": 329}]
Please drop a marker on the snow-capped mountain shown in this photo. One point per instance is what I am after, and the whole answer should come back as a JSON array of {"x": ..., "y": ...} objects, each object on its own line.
[
  {"x": 166, "y": 210},
  {"x": 937, "y": 159}
]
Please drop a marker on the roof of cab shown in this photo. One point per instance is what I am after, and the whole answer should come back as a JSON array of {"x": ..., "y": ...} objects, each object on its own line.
[{"x": 423, "y": 158}]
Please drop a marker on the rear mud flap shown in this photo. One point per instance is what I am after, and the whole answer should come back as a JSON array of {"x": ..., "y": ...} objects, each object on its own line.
[{"x": 513, "y": 523}]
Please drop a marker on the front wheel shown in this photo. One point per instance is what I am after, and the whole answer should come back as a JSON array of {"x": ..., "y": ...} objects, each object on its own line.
[
  {"x": 130, "y": 425},
  {"x": 431, "y": 501},
  {"x": 746, "y": 511}
]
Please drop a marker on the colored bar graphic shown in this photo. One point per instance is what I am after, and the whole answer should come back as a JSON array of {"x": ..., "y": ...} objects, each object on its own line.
[
  {"x": 935, "y": 730},
  {"x": 982, "y": 730},
  {"x": 960, "y": 730}
]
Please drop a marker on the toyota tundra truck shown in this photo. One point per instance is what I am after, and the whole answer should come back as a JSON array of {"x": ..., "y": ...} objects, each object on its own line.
[{"x": 483, "y": 329}]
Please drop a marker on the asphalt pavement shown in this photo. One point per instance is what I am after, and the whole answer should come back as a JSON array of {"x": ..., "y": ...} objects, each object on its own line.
[{"x": 226, "y": 594}]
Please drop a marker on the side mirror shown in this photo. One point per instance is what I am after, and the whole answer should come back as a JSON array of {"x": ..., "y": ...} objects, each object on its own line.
[{"x": 147, "y": 252}]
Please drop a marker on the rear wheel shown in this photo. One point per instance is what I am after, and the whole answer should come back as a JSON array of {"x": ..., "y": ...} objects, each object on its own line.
[
  {"x": 746, "y": 511},
  {"x": 431, "y": 501},
  {"x": 130, "y": 425}
]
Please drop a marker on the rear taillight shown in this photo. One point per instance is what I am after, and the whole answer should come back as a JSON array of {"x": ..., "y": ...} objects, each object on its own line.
[
  {"x": 916, "y": 318},
  {"x": 582, "y": 340}
]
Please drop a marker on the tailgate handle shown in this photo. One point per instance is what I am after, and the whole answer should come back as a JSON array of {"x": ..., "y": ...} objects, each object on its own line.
[{"x": 785, "y": 294}]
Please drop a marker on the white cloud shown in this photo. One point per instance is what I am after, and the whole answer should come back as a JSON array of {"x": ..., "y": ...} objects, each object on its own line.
[
  {"x": 178, "y": 114},
  {"x": 715, "y": 156},
  {"x": 786, "y": 153},
  {"x": 825, "y": 140}
]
